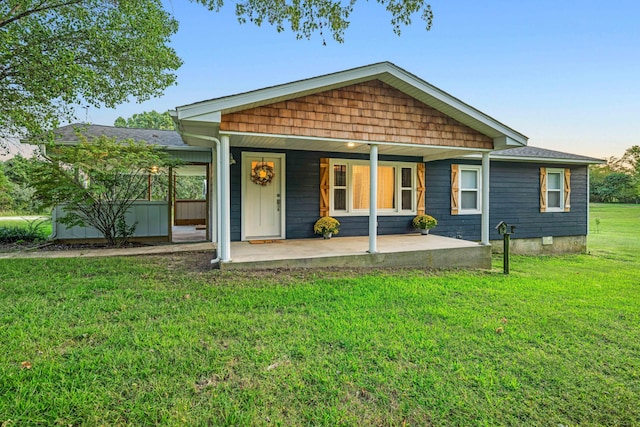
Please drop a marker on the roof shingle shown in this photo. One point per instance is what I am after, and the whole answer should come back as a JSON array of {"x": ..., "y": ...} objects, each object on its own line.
[
  {"x": 166, "y": 138},
  {"x": 541, "y": 153}
]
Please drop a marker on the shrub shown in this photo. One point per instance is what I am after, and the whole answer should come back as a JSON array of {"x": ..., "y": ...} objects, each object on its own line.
[
  {"x": 15, "y": 234},
  {"x": 32, "y": 232}
]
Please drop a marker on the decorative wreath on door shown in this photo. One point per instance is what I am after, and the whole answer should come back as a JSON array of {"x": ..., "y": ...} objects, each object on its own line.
[{"x": 262, "y": 174}]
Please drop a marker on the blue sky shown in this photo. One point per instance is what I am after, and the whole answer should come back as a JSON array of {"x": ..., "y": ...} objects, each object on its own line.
[{"x": 566, "y": 74}]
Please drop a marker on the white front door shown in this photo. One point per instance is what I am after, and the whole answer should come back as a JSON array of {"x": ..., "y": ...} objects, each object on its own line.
[{"x": 263, "y": 187}]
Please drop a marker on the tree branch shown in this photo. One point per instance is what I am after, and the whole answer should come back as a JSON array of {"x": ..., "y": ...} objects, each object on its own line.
[{"x": 29, "y": 12}]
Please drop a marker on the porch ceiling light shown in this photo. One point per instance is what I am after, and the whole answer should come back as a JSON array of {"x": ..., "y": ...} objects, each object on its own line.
[{"x": 351, "y": 144}]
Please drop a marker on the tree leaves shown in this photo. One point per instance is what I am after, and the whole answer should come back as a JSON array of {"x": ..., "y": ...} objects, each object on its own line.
[
  {"x": 55, "y": 55},
  {"x": 147, "y": 120},
  {"x": 325, "y": 17},
  {"x": 618, "y": 180}
]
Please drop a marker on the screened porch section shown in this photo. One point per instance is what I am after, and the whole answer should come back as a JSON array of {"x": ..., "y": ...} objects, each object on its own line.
[
  {"x": 172, "y": 207},
  {"x": 190, "y": 203}
]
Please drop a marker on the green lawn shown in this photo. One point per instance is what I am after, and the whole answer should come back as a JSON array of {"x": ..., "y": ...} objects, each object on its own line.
[
  {"x": 162, "y": 340},
  {"x": 614, "y": 230}
]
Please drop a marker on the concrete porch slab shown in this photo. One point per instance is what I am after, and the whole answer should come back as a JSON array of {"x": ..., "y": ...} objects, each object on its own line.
[
  {"x": 188, "y": 233},
  {"x": 406, "y": 250}
]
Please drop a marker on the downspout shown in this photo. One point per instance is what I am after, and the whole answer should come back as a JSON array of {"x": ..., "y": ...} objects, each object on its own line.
[
  {"x": 588, "y": 199},
  {"x": 215, "y": 141},
  {"x": 54, "y": 224}
]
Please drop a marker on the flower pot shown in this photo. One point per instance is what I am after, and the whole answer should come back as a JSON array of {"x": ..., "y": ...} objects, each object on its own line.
[
  {"x": 424, "y": 231},
  {"x": 327, "y": 235}
]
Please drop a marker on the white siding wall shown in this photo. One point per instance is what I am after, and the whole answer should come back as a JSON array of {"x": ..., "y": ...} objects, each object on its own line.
[{"x": 152, "y": 217}]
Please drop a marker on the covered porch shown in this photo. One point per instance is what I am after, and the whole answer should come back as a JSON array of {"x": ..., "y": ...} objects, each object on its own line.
[
  {"x": 405, "y": 250},
  {"x": 284, "y": 249}
]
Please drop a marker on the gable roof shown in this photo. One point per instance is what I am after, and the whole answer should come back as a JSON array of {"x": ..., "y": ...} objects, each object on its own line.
[{"x": 210, "y": 111}]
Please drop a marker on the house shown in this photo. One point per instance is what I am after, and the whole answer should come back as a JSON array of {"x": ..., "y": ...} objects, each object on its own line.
[{"x": 373, "y": 147}]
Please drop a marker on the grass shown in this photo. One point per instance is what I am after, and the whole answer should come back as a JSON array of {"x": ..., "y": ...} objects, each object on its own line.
[
  {"x": 156, "y": 341},
  {"x": 614, "y": 230}
]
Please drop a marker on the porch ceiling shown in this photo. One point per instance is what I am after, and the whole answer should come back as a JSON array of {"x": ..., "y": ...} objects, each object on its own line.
[
  {"x": 343, "y": 146},
  {"x": 191, "y": 170}
]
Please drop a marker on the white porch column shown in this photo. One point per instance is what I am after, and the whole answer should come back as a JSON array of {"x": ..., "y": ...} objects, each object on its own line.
[
  {"x": 485, "y": 198},
  {"x": 225, "y": 200},
  {"x": 373, "y": 199}
]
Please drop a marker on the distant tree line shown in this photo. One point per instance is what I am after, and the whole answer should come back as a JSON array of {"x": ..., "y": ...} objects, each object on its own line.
[
  {"x": 617, "y": 181},
  {"x": 147, "y": 120}
]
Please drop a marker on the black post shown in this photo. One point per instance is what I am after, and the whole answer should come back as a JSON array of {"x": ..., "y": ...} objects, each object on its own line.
[
  {"x": 507, "y": 241},
  {"x": 506, "y": 230}
]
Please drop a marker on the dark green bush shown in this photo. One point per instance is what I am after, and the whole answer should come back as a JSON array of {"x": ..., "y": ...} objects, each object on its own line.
[{"x": 33, "y": 232}]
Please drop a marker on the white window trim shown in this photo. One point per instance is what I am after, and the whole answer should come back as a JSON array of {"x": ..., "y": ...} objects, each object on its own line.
[
  {"x": 478, "y": 170},
  {"x": 398, "y": 190},
  {"x": 561, "y": 190}
]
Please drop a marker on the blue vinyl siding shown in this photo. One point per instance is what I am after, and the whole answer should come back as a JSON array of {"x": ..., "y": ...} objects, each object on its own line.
[
  {"x": 438, "y": 200},
  {"x": 303, "y": 193},
  {"x": 236, "y": 194},
  {"x": 514, "y": 198}
]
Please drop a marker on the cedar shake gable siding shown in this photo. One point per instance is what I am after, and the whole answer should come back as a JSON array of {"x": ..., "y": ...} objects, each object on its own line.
[{"x": 369, "y": 111}]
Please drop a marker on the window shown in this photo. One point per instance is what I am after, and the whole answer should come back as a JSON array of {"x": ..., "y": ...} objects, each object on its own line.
[
  {"x": 340, "y": 187},
  {"x": 555, "y": 190},
  {"x": 350, "y": 187},
  {"x": 466, "y": 189},
  {"x": 406, "y": 188}
]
